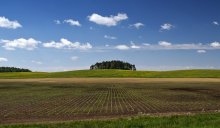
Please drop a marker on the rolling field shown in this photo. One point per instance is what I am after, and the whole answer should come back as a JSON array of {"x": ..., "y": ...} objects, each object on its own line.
[
  {"x": 42, "y": 100},
  {"x": 114, "y": 74}
]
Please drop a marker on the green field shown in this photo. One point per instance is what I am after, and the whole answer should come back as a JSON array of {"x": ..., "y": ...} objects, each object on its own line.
[
  {"x": 184, "y": 121},
  {"x": 117, "y": 73},
  {"x": 43, "y": 100}
]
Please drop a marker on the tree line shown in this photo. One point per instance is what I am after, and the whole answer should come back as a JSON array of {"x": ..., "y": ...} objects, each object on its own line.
[
  {"x": 13, "y": 69},
  {"x": 114, "y": 64}
]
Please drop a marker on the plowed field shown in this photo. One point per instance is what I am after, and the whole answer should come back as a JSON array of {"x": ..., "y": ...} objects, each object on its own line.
[{"x": 39, "y": 100}]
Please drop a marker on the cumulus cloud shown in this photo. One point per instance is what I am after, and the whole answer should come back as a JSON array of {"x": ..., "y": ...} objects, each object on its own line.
[
  {"x": 6, "y": 23},
  {"x": 2, "y": 59},
  {"x": 166, "y": 26},
  {"x": 107, "y": 21},
  {"x": 74, "y": 58},
  {"x": 201, "y": 51},
  {"x": 28, "y": 44},
  {"x": 215, "y": 23},
  {"x": 37, "y": 62},
  {"x": 66, "y": 44},
  {"x": 72, "y": 22},
  {"x": 215, "y": 44},
  {"x": 110, "y": 37},
  {"x": 137, "y": 25},
  {"x": 122, "y": 47},
  {"x": 164, "y": 43}
]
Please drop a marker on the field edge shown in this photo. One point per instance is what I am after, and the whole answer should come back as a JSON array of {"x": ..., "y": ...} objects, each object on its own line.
[
  {"x": 202, "y": 73},
  {"x": 196, "y": 118}
]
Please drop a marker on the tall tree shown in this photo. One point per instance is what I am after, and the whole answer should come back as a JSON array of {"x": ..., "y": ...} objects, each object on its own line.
[
  {"x": 13, "y": 69},
  {"x": 114, "y": 64}
]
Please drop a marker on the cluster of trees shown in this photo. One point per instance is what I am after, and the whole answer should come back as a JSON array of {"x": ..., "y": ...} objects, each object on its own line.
[
  {"x": 13, "y": 69},
  {"x": 114, "y": 64}
]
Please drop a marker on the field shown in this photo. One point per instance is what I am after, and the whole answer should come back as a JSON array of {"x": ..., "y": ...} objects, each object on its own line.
[
  {"x": 63, "y": 99},
  {"x": 115, "y": 74},
  {"x": 179, "y": 121}
]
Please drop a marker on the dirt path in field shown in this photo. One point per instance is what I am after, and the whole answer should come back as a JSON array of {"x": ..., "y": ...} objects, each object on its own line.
[{"x": 114, "y": 80}]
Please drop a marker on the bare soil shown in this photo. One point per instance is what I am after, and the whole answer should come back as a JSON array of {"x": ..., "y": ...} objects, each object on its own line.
[{"x": 63, "y": 99}]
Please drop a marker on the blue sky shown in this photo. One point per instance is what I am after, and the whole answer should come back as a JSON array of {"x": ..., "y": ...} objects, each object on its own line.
[{"x": 58, "y": 35}]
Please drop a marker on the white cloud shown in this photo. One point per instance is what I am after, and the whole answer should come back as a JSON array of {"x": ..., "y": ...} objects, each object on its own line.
[
  {"x": 72, "y": 22},
  {"x": 6, "y": 23},
  {"x": 186, "y": 46},
  {"x": 57, "y": 21},
  {"x": 37, "y": 62},
  {"x": 201, "y": 51},
  {"x": 107, "y": 21},
  {"x": 122, "y": 47},
  {"x": 215, "y": 23},
  {"x": 126, "y": 47},
  {"x": 166, "y": 26},
  {"x": 146, "y": 44},
  {"x": 28, "y": 44},
  {"x": 215, "y": 44},
  {"x": 164, "y": 43},
  {"x": 137, "y": 25},
  {"x": 134, "y": 46},
  {"x": 2, "y": 59},
  {"x": 66, "y": 44},
  {"x": 110, "y": 37},
  {"x": 74, "y": 58}
]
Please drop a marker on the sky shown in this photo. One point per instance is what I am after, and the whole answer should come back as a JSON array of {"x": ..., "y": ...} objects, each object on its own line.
[{"x": 61, "y": 35}]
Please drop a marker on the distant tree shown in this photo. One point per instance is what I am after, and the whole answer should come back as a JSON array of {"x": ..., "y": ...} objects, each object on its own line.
[
  {"x": 114, "y": 64},
  {"x": 13, "y": 69}
]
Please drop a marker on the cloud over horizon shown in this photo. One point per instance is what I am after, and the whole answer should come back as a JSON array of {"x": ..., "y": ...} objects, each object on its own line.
[
  {"x": 66, "y": 44},
  {"x": 215, "y": 44},
  {"x": 134, "y": 46},
  {"x": 2, "y": 59},
  {"x": 164, "y": 43},
  {"x": 122, "y": 47}
]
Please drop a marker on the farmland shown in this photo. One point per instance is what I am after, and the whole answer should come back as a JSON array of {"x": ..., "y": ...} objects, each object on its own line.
[
  {"x": 63, "y": 99},
  {"x": 114, "y": 74},
  {"x": 175, "y": 121}
]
